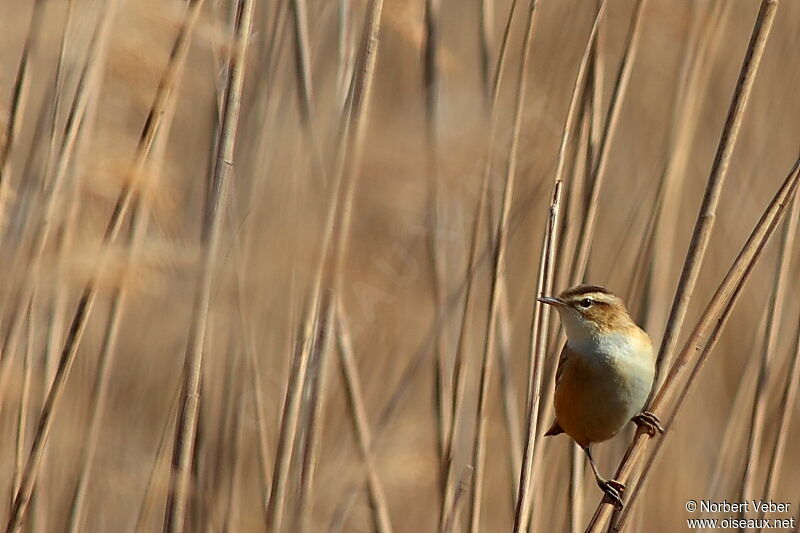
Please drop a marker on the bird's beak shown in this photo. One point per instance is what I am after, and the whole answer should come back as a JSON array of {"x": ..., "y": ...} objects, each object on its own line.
[{"x": 549, "y": 300}]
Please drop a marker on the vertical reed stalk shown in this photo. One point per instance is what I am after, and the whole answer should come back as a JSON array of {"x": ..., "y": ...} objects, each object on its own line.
[{"x": 185, "y": 433}]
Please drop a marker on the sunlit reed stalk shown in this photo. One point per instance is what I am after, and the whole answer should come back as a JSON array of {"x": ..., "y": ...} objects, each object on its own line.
[
  {"x": 185, "y": 433},
  {"x": 540, "y": 324},
  {"x": 748, "y": 490},
  {"x": 358, "y": 413},
  {"x": 335, "y": 232},
  {"x": 538, "y": 348},
  {"x": 747, "y": 257},
  {"x": 730, "y": 288},
  {"x": 498, "y": 283}
]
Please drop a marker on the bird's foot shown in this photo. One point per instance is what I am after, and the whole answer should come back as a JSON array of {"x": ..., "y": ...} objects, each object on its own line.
[
  {"x": 649, "y": 423},
  {"x": 613, "y": 490}
]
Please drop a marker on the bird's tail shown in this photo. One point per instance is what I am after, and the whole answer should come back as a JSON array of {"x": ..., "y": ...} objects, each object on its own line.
[{"x": 555, "y": 429}]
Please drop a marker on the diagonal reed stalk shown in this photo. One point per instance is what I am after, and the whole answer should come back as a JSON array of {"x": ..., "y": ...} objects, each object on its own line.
[
  {"x": 758, "y": 413},
  {"x": 185, "y": 433},
  {"x": 358, "y": 413},
  {"x": 738, "y": 271},
  {"x": 787, "y": 402},
  {"x": 19, "y": 97},
  {"x": 716, "y": 315},
  {"x": 498, "y": 283}
]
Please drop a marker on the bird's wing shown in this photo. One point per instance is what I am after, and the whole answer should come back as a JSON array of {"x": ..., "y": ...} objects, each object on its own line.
[
  {"x": 562, "y": 361},
  {"x": 556, "y": 429}
]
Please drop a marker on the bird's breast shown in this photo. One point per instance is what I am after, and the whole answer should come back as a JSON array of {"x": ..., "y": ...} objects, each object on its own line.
[{"x": 606, "y": 382}]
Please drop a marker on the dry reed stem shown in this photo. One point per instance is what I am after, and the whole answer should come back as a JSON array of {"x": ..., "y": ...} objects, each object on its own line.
[
  {"x": 460, "y": 362},
  {"x": 787, "y": 402},
  {"x": 337, "y": 222},
  {"x": 737, "y": 283},
  {"x": 430, "y": 88},
  {"x": 185, "y": 433},
  {"x": 358, "y": 413},
  {"x": 719, "y": 169},
  {"x": 498, "y": 283},
  {"x": 747, "y": 256},
  {"x": 538, "y": 347},
  {"x": 24, "y": 403},
  {"x": 540, "y": 324},
  {"x": 766, "y": 362},
  {"x": 317, "y": 382},
  {"x": 485, "y": 38}
]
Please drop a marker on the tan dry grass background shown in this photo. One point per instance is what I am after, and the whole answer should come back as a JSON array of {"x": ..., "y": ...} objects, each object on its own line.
[{"x": 272, "y": 239}]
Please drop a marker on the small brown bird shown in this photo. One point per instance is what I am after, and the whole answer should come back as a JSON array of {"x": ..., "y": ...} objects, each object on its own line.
[{"x": 604, "y": 374}]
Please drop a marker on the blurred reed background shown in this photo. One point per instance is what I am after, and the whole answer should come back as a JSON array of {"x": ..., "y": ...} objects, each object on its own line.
[{"x": 237, "y": 238}]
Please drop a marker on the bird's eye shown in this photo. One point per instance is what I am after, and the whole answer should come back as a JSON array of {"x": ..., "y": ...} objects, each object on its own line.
[{"x": 586, "y": 302}]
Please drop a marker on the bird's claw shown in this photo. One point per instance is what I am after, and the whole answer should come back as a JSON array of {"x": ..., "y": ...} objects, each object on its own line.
[
  {"x": 649, "y": 423},
  {"x": 613, "y": 490}
]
